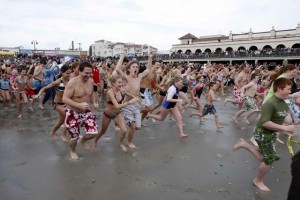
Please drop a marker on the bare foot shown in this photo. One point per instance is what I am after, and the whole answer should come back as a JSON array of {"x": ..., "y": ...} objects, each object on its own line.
[
  {"x": 239, "y": 144},
  {"x": 234, "y": 120},
  {"x": 220, "y": 126},
  {"x": 20, "y": 116},
  {"x": 123, "y": 148},
  {"x": 191, "y": 115},
  {"x": 143, "y": 125},
  {"x": 41, "y": 107},
  {"x": 64, "y": 138},
  {"x": 225, "y": 102},
  {"x": 53, "y": 136},
  {"x": 172, "y": 119},
  {"x": 85, "y": 145},
  {"x": 95, "y": 148},
  {"x": 246, "y": 121},
  {"x": 153, "y": 120},
  {"x": 74, "y": 156},
  {"x": 31, "y": 109},
  {"x": 279, "y": 141},
  {"x": 252, "y": 140},
  {"x": 117, "y": 128},
  {"x": 131, "y": 145},
  {"x": 261, "y": 186},
  {"x": 183, "y": 136},
  {"x": 202, "y": 120}
]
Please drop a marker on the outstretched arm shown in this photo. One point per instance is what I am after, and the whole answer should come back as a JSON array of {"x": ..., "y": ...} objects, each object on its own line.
[
  {"x": 118, "y": 67},
  {"x": 149, "y": 64}
]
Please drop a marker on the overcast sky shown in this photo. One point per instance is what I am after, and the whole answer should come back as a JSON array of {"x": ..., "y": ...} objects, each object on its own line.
[{"x": 55, "y": 23}]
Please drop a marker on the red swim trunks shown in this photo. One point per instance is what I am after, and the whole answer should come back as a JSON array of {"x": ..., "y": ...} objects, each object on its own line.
[
  {"x": 74, "y": 121},
  {"x": 29, "y": 92}
]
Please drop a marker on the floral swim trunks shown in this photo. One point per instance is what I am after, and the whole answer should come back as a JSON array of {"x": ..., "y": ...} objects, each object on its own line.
[
  {"x": 266, "y": 142},
  {"x": 75, "y": 120}
]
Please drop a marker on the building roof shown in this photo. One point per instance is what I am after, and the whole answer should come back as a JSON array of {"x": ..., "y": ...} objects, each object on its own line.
[
  {"x": 214, "y": 38},
  {"x": 188, "y": 36}
]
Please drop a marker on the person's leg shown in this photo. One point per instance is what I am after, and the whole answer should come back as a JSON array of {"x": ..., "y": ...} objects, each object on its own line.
[
  {"x": 130, "y": 135},
  {"x": 24, "y": 98},
  {"x": 159, "y": 102},
  {"x": 91, "y": 129},
  {"x": 120, "y": 120},
  {"x": 31, "y": 103},
  {"x": 73, "y": 144},
  {"x": 145, "y": 112},
  {"x": 3, "y": 96},
  {"x": 222, "y": 89},
  {"x": 246, "y": 119},
  {"x": 73, "y": 130},
  {"x": 265, "y": 153},
  {"x": 252, "y": 149},
  {"x": 178, "y": 118},
  {"x": 184, "y": 97},
  {"x": 259, "y": 179},
  {"x": 237, "y": 114},
  {"x": 84, "y": 140},
  {"x": 105, "y": 124},
  {"x": 218, "y": 124},
  {"x": 48, "y": 94},
  {"x": 230, "y": 100},
  {"x": 60, "y": 120},
  {"x": 19, "y": 104},
  {"x": 163, "y": 114},
  {"x": 41, "y": 102}
]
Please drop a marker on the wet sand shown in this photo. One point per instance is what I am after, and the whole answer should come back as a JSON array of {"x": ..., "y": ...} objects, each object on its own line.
[{"x": 202, "y": 166}]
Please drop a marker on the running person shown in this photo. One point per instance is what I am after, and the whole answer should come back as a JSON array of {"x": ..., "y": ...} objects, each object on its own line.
[
  {"x": 273, "y": 113},
  {"x": 169, "y": 105},
  {"x": 114, "y": 100},
  {"x": 59, "y": 105},
  {"x": 78, "y": 95}
]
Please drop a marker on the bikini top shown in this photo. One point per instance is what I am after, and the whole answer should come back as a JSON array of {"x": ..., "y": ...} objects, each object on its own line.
[
  {"x": 61, "y": 86},
  {"x": 119, "y": 102},
  {"x": 19, "y": 81}
]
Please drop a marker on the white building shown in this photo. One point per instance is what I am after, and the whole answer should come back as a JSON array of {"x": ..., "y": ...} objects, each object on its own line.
[
  {"x": 106, "y": 48},
  {"x": 272, "y": 39},
  {"x": 102, "y": 48}
]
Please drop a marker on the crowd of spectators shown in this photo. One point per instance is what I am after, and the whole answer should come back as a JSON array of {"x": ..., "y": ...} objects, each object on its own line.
[{"x": 242, "y": 53}]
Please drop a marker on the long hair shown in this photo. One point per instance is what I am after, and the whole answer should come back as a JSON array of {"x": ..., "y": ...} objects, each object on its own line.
[{"x": 288, "y": 67}]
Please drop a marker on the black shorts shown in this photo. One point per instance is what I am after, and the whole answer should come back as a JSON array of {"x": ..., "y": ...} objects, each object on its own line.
[
  {"x": 161, "y": 93},
  {"x": 184, "y": 89},
  {"x": 95, "y": 88}
]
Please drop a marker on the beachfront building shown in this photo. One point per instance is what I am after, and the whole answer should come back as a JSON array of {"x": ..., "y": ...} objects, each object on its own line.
[
  {"x": 245, "y": 42},
  {"x": 101, "y": 48},
  {"x": 106, "y": 48}
]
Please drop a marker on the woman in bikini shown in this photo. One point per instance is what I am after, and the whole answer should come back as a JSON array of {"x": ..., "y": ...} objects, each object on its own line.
[
  {"x": 114, "y": 99},
  {"x": 19, "y": 85},
  {"x": 59, "y": 106}
]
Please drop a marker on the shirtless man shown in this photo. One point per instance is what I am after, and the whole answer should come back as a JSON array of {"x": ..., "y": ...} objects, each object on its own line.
[
  {"x": 248, "y": 92},
  {"x": 145, "y": 90},
  {"x": 132, "y": 114},
  {"x": 240, "y": 81},
  {"x": 78, "y": 96},
  {"x": 38, "y": 82}
]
